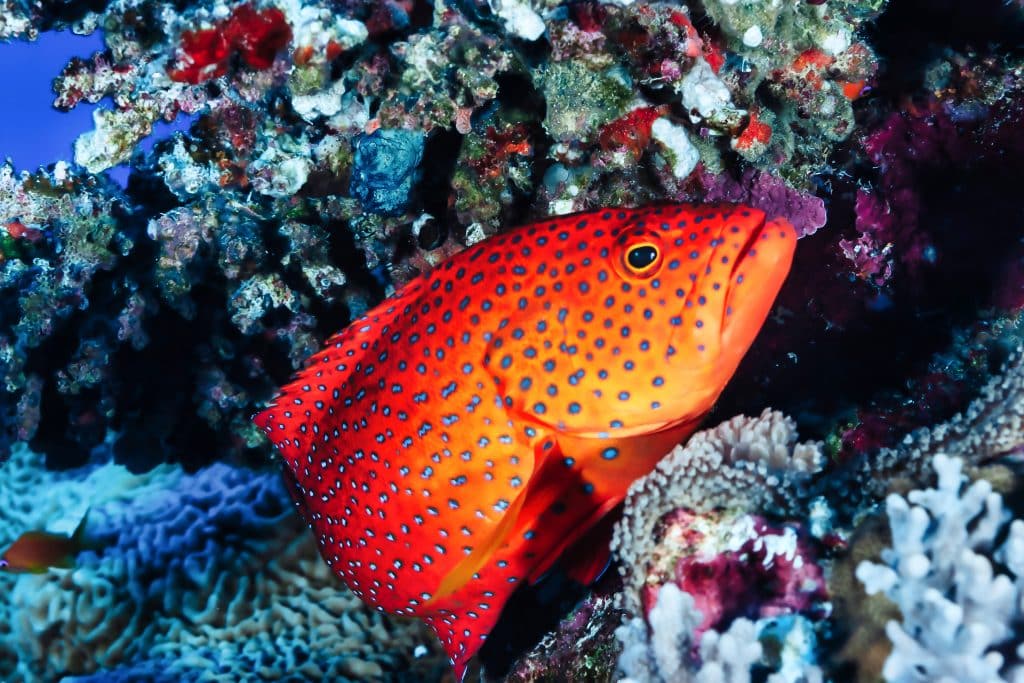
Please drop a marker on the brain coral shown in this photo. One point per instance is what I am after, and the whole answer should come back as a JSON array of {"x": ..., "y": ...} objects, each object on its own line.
[{"x": 202, "y": 577}]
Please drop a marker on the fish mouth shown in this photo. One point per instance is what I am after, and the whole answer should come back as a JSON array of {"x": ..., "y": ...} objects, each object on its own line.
[
  {"x": 699, "y": 286},
  {"x": 745, "y": 250},
  {"x": 741, "y": 260},
  {"x": 757, "y": 276}
]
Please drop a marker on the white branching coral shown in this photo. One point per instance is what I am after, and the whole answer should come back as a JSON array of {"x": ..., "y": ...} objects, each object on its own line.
[
  {"x": 662, "y": 649},
  {"x": 661, "y": 653},
  {"x": 957, "y": 607}
]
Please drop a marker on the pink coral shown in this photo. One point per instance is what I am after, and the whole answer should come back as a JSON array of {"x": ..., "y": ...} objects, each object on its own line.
[{"x": 772, "y": 571}]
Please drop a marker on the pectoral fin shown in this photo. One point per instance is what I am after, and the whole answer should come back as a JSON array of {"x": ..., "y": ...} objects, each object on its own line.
[{"x": 472, "y": 563}]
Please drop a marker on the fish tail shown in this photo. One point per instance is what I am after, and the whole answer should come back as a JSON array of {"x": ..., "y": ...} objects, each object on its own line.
[{"x": 79, "y": 538}]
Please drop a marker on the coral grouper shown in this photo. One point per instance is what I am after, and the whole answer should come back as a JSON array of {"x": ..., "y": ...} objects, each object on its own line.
[{"x": 456, "y": 439}]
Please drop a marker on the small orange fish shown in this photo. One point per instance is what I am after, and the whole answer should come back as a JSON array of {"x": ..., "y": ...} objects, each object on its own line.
[
  {"x": 35, "y": 552},
  {"x": 458, "y": 438}
]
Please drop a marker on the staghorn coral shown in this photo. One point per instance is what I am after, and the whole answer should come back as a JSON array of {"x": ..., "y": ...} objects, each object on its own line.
[
  {"x": 190, "y": 577},
  {"x": 960, "y": 612},
  {"x": 986, "y": 436}
]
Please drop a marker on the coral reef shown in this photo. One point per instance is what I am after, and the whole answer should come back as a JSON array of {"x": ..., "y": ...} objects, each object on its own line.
[
  {"x": 701, "y": 573},
  {"x": 782, "y": 645},
  {"x": 64, "y": 232},
  {"x": 972, "y": 125},
  {"x": 990, "y": 428},
  {"x": 583, "y": 647},
  {"x": 205, "y": 576},
  {"x": 323, "y": 140},
  {"x": 751, "y": 464},
  {"x": 331, "y": 151},
  {"x": 688, "y": 530},
  {"x": 384, "y": 169}
]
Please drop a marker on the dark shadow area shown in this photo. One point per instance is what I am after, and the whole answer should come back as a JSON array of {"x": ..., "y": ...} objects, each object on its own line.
[
  {"x": 836, "y": 343},
  {"x": 911, "y": 33}
]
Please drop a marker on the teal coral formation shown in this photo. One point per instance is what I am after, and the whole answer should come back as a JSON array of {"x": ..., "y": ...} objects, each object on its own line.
[{"x": 188, "y": 577}]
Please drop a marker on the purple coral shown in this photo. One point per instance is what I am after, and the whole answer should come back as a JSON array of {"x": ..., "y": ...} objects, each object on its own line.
[
  {"x": 917, "y": 151},
  {"x": 769, "y": 193},
  {"x": 765, "y": 571}
]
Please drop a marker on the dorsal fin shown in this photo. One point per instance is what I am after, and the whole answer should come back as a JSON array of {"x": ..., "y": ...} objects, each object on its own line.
[{"x": 292, "y": 417}]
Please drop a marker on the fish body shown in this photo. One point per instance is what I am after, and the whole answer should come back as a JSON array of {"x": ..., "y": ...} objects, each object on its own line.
[
  {"x": 455, "y": 440},
  {"x": 36, "y": 552}
]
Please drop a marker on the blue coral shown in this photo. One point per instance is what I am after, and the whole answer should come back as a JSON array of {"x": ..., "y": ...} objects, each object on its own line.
[{"x": 384, "y": 171}]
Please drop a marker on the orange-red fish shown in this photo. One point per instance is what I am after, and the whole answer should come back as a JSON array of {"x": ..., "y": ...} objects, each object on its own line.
[
  {"x": 455, "y": 440},
  {"x": 35, "y": 552}
]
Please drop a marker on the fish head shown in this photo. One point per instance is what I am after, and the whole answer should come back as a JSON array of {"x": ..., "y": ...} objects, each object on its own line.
[{"x": 655, "y": 320}]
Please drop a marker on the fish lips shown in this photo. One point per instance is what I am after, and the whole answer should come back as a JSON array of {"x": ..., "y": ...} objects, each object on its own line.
[{"x": 757, "y": 276}]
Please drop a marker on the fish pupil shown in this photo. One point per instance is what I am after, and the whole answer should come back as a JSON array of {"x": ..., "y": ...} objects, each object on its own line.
[{"x": 642, "y": 256}]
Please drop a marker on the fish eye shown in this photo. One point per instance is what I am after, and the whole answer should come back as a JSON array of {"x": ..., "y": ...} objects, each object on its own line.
[{"x": 642, "y": 259}]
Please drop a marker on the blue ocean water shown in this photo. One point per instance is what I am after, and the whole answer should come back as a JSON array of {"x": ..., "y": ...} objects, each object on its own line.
[{"x": 32, "y": 132}]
